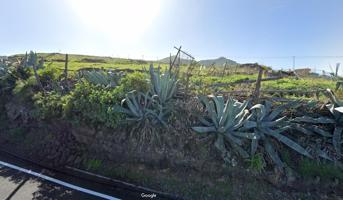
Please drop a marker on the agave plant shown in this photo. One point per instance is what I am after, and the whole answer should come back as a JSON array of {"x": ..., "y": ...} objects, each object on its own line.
[
  {"x": 138, "y": 107},
  {"x": 101, "y": 78},
  {"x": 223, "y": 121},
  {"x": 336, "y": 109},
  {"x": 268, "y": 126},
  {"x": 164, "y": 85}
]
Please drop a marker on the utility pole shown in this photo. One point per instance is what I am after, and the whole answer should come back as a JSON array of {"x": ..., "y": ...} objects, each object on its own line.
[{"x": 293, "y": 63}]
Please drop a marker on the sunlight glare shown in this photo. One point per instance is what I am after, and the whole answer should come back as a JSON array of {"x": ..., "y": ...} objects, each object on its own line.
[{"x": 120, "y": 20}]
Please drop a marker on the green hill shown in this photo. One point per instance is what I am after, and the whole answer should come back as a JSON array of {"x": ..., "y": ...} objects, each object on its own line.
[
  {"x": 218, "y": 62},
  {"x": 167, "y": 60}
]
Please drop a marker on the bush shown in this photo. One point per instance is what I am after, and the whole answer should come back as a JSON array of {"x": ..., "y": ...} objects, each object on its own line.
[
  {"x": 327, "y": 171},
  {"x": 134, "y": 81},
  {"x": 24, "y": 89},
  {"x": 48, "y": 74},
  {"x": 50, "y": 105},
  {"x": 94, "y": 104}
]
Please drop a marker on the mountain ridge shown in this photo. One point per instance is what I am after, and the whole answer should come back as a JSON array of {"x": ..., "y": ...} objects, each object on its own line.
[{"x": 220, "y": 61}]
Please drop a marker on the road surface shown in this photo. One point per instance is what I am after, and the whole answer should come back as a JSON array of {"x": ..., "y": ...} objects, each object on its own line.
[{"x": 20, "y": 180}]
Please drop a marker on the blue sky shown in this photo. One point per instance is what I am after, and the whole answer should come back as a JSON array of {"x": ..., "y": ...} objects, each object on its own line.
[{"x": 264, "y": 31}]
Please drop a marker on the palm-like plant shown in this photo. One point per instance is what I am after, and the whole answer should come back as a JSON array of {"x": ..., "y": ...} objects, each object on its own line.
[
  {"x": 139, "y": 107},
  {"x": 336, "y": 109},
  {"x": 223, "y": 121},
  {"x": 101, "y": 78},
  {"x": 163, "y": 85},
  {"x": 268, "y": 126}
]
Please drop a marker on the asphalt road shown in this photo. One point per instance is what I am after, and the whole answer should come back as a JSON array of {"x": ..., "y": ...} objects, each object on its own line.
[
  {"x": 19, "y": 185},
  {"x": 16, "y": 185}
]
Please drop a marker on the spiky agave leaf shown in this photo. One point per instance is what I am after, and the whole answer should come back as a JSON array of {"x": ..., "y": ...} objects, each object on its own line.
[
  {"x": 337, "y": 139},
  {"x": 319, "y": 120},
  {"x": 164, "y": 85},
  {"x": 334, "y": 100},
  {"x": 264, "y": 122},
  {"x": 101, "y": 78},
  {"x": 135, "y": 105},
  {"x": 224, "y": 120},
  {"x": 139, "y": 106},
  {"x": 336, "y": 109}
]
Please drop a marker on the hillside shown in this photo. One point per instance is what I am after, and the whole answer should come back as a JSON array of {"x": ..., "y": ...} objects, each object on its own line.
[
  {"x": 218, "y": 62},
  {"x": 76, "y": 62},
  {"x": 167, "y": 60}
]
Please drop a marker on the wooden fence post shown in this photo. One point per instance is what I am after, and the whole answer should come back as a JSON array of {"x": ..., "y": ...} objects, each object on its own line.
[
  {"x": 66, "y": 68},
  {"x": 256, "y": 94}
]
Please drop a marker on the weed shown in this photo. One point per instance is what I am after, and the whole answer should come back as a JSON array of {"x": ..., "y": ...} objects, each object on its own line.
[
  {"x": 93, "y": 164},
  {"x": 257, "y": 163},
  {"x": 327, "y": 171}
]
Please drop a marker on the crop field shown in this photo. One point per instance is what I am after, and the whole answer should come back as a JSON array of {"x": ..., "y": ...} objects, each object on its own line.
[{"x": 201, "y": 132}]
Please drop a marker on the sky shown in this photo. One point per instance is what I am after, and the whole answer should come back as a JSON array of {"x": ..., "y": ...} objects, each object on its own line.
[{"x": 269, "y": 32}]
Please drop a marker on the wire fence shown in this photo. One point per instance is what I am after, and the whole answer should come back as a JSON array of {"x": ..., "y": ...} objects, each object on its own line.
[{"x": 319, "y": 64}]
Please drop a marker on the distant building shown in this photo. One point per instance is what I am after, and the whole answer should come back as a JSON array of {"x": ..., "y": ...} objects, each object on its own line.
[{"x": 303, "y": 71}]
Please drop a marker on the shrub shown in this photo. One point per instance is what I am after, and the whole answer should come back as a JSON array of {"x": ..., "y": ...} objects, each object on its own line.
[
  {"x": 94, "y": 104},
  {"x": 49, "y": 105},
  {"x": 102, "y": 78},
  {"x": 326, "y": 171},
  {"x": 48, "y": 74},
  {"x": 135, "y": 81},
  {"x": 257, "y": 163},
  {"x": 23, "y": 89}
]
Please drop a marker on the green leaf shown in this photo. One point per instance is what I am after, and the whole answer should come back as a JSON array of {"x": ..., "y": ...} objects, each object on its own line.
[
  {"x": 324, "y": 155},
  {"x": 120, "y": 109},
  {"x": 260, "y": 111},
  {"x": 231, "y": 138},
  {"x": 298, "y": 127},
  {"x": 319, "y": 120},
  {"x": 219, "y": 144},
  {"x": 277, "y": 111},
  {"x": 289, "y": 143},
  {"x": 320, "y": 131},
  {"x": 267, "y": 124},
  {"x": 252, "y": 136},
  {"x": 219, "y": 104},
  {"x": 337, "y": 139},
  {"x": 273, "y": 153},
  {"x": 250, "y": 124},
  {"x": 205, "y": 122},
  {"x": 204, "y": 129}
]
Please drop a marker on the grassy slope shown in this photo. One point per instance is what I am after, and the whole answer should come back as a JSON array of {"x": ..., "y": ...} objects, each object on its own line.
[
  {"x": 85, "y": 61},
  {"x": 76, "y": 62}
]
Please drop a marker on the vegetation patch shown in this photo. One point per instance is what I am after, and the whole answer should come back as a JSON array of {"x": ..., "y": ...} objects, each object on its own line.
[{"x": 162, "y": 133}]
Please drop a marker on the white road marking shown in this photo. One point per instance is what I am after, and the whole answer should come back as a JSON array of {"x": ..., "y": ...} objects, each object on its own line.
[{"x": 91, "y": 192}]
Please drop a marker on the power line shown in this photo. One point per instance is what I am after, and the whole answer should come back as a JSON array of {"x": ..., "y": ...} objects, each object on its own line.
[{"x": 280, "y": 57}]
